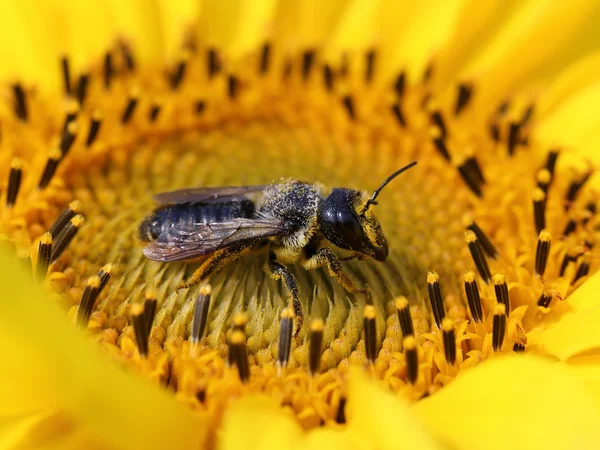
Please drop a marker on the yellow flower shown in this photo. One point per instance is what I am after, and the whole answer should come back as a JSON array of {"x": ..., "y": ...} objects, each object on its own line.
[{"x": 492, "y": 236}]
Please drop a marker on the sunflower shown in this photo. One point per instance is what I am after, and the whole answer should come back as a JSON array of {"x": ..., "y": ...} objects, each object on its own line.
[{"x": 478, "y": 331}]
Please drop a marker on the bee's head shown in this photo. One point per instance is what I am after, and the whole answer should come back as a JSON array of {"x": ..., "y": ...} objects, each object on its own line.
[
  {"x": 150, "y": 229},
  {"x": 348, "y": 221}
]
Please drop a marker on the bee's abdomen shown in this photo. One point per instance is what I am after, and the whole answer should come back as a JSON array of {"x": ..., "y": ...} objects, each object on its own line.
[{"x": 189, "y": 216}]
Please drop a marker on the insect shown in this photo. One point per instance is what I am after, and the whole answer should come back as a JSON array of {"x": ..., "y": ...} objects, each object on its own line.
[{"x": 293, "y": 219}]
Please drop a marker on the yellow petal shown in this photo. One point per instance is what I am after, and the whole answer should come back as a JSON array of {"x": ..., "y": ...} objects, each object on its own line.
[
  {"x": 47, "y": 363},
  {"x": 381, "y": 419},
  {"x": 514, "y": 402}
]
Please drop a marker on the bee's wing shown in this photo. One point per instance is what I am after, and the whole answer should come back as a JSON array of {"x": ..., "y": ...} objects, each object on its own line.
[
  {"x": 202, "y": 239},
  {"x": 207, "y": 194}
]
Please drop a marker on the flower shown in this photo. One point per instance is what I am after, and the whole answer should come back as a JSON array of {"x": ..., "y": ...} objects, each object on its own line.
[{"x": 492, "y": 236}]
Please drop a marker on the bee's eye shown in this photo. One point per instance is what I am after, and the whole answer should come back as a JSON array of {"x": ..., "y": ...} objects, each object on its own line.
[{"x": 349, "y": 228}]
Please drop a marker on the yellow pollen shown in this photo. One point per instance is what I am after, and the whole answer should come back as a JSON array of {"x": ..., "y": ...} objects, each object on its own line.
[
  {"x": 46, "y": 238},
  {"x": 499, "y": 279},
  {"x": 469, "y": 276}
]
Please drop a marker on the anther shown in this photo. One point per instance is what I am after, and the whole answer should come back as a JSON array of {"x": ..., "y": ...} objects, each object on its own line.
[
  {"x": 66, "y": 73},
  {"x": 473, "y": 297},
  {"x": 213, "y": 63},
  {"x": 328, "y": 77},
  {"x": 86, "y": 305},
  {"x": 370, "y": 334},
  {"x": 200, "y": 106},
  {"x": 308, "y": 59},
  {"x": 108, "y": 70},
  {"x": 129, "y": 108},
  {"x": 286, "y": 326},
  {"x": 53, "y": 159},
  {"x": 551, "y": 162},
  {"x": 543, "y": 180},
  {"x": 501, "y": 290},
  {"x": 71, "y": 115},
  {"x": 590, "y": 211},
  {"x": 527, "y": 115},
  {"x": 412, "y": 358},
  {"x": 14, "y": 182},
  {"x": 154, "y": 112},
  {"x": 574, "y": 189},
  {"x": 542, "y": 251},
  {"x": 140, "y": 329},
  {"x": 179, "y": 73},
  {"x": 127, "y": 57},
  {"x": 400, "y": 84},
  {"x": 465, "y": 92},
  {"x": 265, "y": 58},
  {"x": 545, "y": 299},
  {"x": 20, "y": 102},
  {"x": 449, "y": 338},
  {"x": 440, "y": 143},
  {"x": 232, "y": 87},
  {"x": 370, "y": 65},
  {"x": 68, "y": 138},
  {"x": 316, "y": 346},
  {"x": 340, "y": 417},
  {"x": 438, "y": 121},
  {"x": 435, "y": 297},
  {"x": 239, "y": 354},
  {"x": 43, "y": 256},
  {"x": 518, "y": 347},
  {"x": 473, "y": 166},
  {"x": 404, "y": 317},
  {"x": 348, "y": 103},
  {"x": 470, "y": 178},
  {"x": 486, "y": 244},
  {"x": 569, "y": 258},
  {"x": 200, "y": 319},
  {"x": 582, "y": 271},
  {"x": 498, "y": 327},
  {"x": 569, "y": 227},
  {"x": 539, "y": 210},
  {"x": 150, "y": 302},
  {"x": 66, "y": 236},
  {"x": 495, "y": 132},
  {"x": 513, "y": 137},
  {"x": 82, "y": 88},
  {"x": 478, "y": 255},
  {"x": 398, "y": 114},
  {"x": 95, "y": 123}
]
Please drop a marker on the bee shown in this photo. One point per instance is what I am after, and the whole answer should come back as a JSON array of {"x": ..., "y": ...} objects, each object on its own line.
[{"x": 293, "y": 219}]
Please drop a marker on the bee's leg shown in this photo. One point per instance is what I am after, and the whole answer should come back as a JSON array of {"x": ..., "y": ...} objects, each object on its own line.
[
  {"x": 325, "y": 256},
  {"x": 214, "y": 263},
  {"x": 280, "y": 272}
]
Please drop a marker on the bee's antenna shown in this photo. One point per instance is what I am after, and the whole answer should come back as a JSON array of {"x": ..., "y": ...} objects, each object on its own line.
[{"x": 372, "y": 201}]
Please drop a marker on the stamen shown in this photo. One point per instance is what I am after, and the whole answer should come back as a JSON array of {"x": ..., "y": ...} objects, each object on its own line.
[
  {"x": 518, "y": 347},
  {"x": 400, "y": 84},
  {"x": 232, "y": 87},
  {"x": 130, "y": 108},
  {"x": 72, "y": 112},
  {"x": 20, "y": 102},
  {"x": 108, "y": 70},
  {"x": 370, "y": 334},
  {"x": 404, "y": 317},
  {"x": 201, "y": 314},
  {"x": 66, "y": 72},
  {"x": 473, "y": 166},
  {"x": 348, "y": 103},
  {"x": 95, "y": 123},
  {"x": 478, "y": 255},
  {"x": 495, "y": 132},
  {"x": 545, "y": 299},
  {"x": 539, "y": 210},
  {"x": 150, "y": 302},
  {"x": 370, "y": 63},
  {"x": 498, "y": 327},
  {"x": 139, "y": 327},
  {"x": 542, "y": 251},
  {"x": 486, "y": 244},
  {"x": 574, "y": 189},
  {"x": 43, "y": 257},
  {"x": 316, "y": 346},
  {"x": 513, "y": 137},
  {"x": 308, "y": 58},
  {"x": 239, "y": 354},
  {"x": 179, "y": 73},
  {"x": 501, "y": 290},
  {"x": 214, "y": 64},
  {"x": 239, "y": 324},
  {"x": 397, "y": 110},
  {"x": 438, "y": 121},
  {"x": 265, "y": 58},
  {"x": 340, "y": 417},
  {"x": 582, "y": 271},
  {"x": 68, "y": 138},
  {"x": 66, "y": 236},
  {"x": 569, "y": 228},
  {"x": 127, "y": 56},
  {"x": 53, "y": 159},
  {"x": 438, "y": 140},
  {"x": 14, "y": 182},
  {"x": 473, "y": 297},
  {"x": 328, "y": 77},
  {"x": 412, "y": 358},
  {"x": 569, "y": 258},
  {"x": 200, "y": 106},
  {"x": 465, "y": 92},
  {"x": 470, "y": 178},
  {"x": 449, "y": 340},
  {"x": 435, "y": 297},
  {"x": 590, "y": 211},
  {"x": 154, "y": 111},
  {"x": 82, "y": 88},
  {"x": 551, "y": 162},
  {"x": 286, "y": 326},
  {"x": 86, "y": 305},
  {"x": 527, "y": 115},
  {"x": 543, "y": 180}
]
